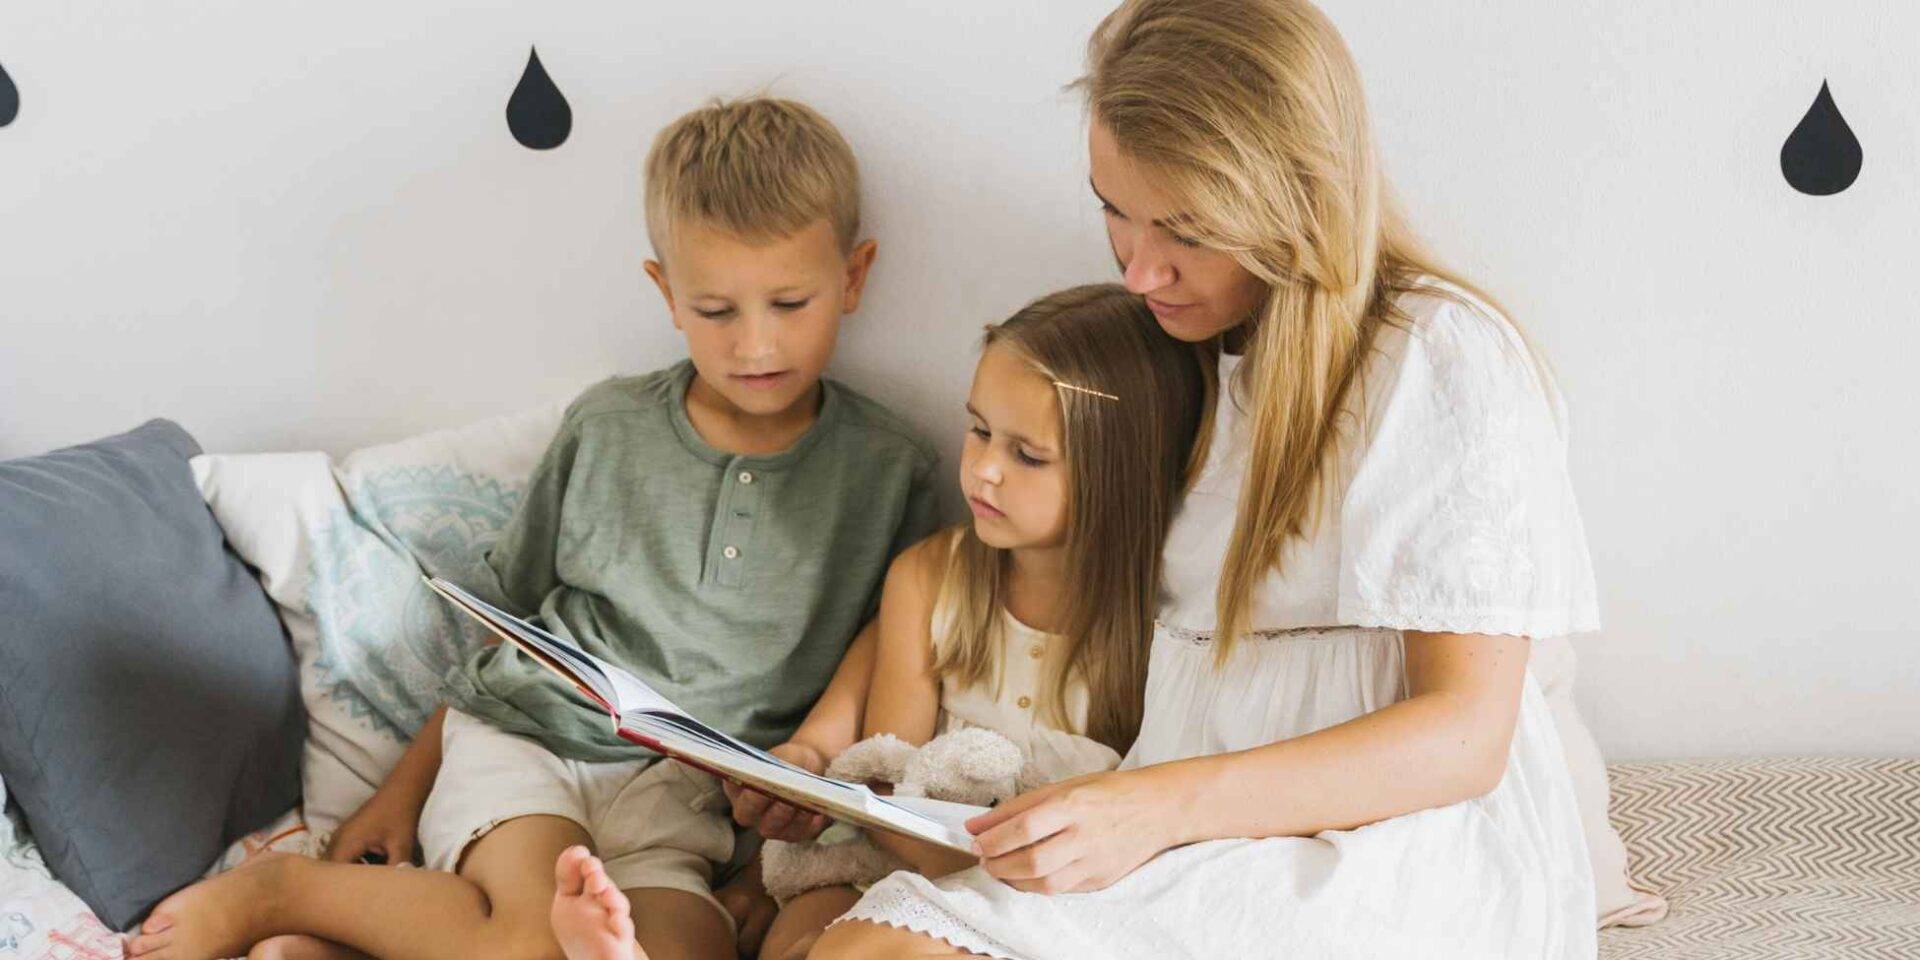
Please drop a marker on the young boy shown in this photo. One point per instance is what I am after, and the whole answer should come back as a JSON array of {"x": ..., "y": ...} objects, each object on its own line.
[{"x": 720, "y": 527}]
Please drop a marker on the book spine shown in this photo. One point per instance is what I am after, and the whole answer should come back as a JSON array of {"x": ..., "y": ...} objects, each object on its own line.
[{"x": 661, "y": 749}]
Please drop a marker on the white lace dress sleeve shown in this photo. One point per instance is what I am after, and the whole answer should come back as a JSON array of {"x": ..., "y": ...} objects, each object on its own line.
[{"x": 1460, "y": 516}]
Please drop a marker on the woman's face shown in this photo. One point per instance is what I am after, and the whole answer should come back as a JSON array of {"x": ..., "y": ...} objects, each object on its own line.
[{"x": 1195, "y": 292}]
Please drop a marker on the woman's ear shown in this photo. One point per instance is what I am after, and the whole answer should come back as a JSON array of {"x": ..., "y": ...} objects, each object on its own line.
[
  {"x": 659, "y": 275},
  {"x": 859, "y": 261}
]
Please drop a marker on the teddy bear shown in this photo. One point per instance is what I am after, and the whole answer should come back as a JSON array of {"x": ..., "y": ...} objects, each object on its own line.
[{"x": 972, "y": 765}]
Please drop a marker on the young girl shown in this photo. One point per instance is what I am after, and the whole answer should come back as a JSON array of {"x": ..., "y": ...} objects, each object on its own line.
[
  {"x": 1033, "y": 620},
  {"x": 1341, "y": 752}
]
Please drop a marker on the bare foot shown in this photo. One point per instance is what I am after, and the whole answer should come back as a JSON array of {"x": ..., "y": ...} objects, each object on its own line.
[
  {"x": 590, "y": 915},
  {"x": 296, "y": 946},
  {"x": 218, "y": 917}
]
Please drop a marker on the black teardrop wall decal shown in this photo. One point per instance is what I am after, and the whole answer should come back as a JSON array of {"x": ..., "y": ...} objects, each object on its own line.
[
  {"x": 9, "y": 98},
  {"x": 537, "y": 113},
  {"x": 1822, "y": 156}
]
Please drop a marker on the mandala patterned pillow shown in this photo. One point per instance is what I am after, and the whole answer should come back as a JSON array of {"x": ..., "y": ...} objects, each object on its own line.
[{"x": 340, "y": 549}]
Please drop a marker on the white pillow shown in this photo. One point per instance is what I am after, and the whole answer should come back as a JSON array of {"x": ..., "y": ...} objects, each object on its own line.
[
  {"x": 340, "y": 550},
  {"x": 1618, "y": 900}
]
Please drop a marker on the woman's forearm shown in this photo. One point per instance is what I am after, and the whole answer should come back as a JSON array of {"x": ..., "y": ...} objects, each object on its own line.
[{"x": 1426, "y": 751}]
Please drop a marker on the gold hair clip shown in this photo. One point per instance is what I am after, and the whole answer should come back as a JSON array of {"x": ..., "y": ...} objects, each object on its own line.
[{"x": 1068, "y": 386}]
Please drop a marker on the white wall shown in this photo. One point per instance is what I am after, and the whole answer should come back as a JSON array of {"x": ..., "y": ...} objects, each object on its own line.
[{"x": 305, "y": 225}]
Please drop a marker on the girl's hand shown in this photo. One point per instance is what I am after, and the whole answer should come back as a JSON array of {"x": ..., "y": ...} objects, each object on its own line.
[
  {"x": 1076, "y": 835},
  {"x": 775, "y": 819},
  {"x": 383, "y": 830}
]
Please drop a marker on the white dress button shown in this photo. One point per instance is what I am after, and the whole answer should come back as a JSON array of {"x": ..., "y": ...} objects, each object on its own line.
[
  {"x": 731, "y": 553},
  {"x": 746, "y": 476}
]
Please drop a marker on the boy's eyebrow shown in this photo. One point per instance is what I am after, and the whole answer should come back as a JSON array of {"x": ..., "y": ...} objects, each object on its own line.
[
  {"x": 791, "y": 288},
  {"x": 1166, "y": 223}
]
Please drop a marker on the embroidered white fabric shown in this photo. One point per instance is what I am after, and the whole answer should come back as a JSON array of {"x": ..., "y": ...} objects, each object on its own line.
[{"x": 1449, "y": 508}]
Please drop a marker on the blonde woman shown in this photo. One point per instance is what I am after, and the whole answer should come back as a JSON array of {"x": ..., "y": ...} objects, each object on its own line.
[{"x": 1342, "y": 754}]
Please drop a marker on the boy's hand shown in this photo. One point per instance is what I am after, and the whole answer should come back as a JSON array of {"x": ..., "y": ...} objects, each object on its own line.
[
  {"x": 775, "y": 819},
  {"x": 383, "y": 830}
]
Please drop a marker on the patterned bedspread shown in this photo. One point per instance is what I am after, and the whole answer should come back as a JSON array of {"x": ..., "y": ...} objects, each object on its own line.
[
  {"x": 1789, "y": 859},
  {"x": 1777, "y": 859}
]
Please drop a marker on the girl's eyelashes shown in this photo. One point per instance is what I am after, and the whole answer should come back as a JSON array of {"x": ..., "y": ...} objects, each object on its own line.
[
  {"x": 1185, "y": 241},
  {"x": 791, "y": 305},
  {"x": 720, "y": 314},
  {"x": 1020, "y": 453}
]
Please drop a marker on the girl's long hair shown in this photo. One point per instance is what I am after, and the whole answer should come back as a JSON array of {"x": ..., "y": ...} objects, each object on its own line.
[
  {"x": 1250, "y": 114},
  {"x": 1131, "y": 400}
]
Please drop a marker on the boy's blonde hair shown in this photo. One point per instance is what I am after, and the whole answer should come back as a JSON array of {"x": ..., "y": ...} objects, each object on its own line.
[
  {"x": 1131, "y": 401},
  {"x": 1250, "y": 113},
  {"x": 759, "y": 168}
]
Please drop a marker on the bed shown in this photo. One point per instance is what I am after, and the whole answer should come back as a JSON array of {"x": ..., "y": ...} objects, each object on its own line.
[{"x": 1771, "y": 859}]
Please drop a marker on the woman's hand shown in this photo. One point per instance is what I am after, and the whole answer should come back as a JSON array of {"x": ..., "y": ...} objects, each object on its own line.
[
  {"x": 383, "y": 830},
  {"x": 1077, "y": 835},
  {"x": 775, "y": 819}
]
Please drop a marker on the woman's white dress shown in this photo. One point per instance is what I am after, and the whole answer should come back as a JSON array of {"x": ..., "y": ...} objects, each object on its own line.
[{"x": 1451, "y": 511}]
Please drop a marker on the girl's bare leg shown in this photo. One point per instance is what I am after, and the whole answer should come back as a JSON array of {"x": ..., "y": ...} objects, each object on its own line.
[
  {"x": 804, "y": 919},
  {"x": 860, "y": 940}
]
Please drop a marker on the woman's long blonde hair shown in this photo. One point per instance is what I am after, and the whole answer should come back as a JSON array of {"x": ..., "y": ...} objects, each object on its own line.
[
  {"x": 1250, "y": 114},
  {"x": 1131, "y": 400}
]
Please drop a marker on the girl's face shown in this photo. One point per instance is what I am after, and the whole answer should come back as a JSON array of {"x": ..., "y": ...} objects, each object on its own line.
[
  {"x": 1196, "y": 293},
  {"x": 1012, "y": 468}
]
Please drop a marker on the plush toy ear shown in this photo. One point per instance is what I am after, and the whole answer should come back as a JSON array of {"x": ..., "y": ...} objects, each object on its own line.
[
  {"x": 882, "y": 757},
  {"x": 988, "y": 757},
  {"x": 970, "y": 765}
]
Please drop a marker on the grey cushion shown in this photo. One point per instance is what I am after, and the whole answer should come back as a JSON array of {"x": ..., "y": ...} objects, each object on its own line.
[{"x": 149, "y": 709}]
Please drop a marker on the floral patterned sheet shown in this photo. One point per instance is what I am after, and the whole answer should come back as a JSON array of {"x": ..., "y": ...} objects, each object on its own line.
[{"x": 40, "y": 919}]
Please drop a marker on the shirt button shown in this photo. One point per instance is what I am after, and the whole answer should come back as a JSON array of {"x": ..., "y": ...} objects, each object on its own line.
[
  {"x": 1025, "y": 702},
  {"x": 731, "y": 553},
  {"x": 1036, "y": 651},
  {"x": 746, "y": 476}
]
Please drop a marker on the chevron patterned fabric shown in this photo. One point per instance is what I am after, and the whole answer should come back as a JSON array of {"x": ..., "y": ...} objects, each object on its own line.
[{"x": 1772, "y": 859}]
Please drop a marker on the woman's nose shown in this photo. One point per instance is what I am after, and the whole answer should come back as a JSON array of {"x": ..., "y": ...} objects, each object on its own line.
[{"x": 1147, "y": 270}]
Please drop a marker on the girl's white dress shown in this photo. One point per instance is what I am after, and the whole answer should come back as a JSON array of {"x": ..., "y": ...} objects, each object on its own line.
[
  {"x": 1451, "y": 511},
  {"x": 1014, "y": 707}
]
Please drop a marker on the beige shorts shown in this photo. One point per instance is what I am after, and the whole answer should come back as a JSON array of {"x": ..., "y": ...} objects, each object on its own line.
[{"x": 655, "y": 825}]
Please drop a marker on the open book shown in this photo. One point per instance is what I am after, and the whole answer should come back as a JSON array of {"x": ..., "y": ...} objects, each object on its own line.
[{"x": 641, "y": 715}]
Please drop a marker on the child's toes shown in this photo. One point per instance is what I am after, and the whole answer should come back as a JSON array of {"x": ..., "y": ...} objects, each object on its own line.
[
  {"x": 567, "y": 874},
  {"x": 614, "y": 902},
  {"x": 597, "y": 881}
]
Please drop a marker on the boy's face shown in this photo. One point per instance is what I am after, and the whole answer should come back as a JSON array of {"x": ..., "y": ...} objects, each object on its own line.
[{"x": 760, "y": 319}]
